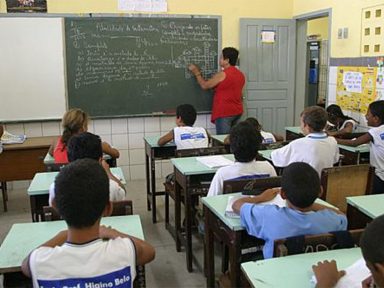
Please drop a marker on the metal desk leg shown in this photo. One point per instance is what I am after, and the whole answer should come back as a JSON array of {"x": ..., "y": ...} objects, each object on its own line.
[
  {"x": 209, "y": 264},
  {"x": 178, "y": 215},
  {"x": 188, "y": 228},
  {"x": 147, "y": 179},
  {"x": 234, "y": 261},
  {"x": 153, "y": 189}
]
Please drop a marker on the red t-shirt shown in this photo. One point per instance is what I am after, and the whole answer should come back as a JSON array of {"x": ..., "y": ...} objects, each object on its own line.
[
  {"x": 227, "y": 99},
  {"x": 60, "y": 152}
]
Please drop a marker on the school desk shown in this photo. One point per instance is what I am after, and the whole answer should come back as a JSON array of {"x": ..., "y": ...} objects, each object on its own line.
[
  {"x": 22, "y": 161},
  {"x": 24, "y": 237},
  {"x": 188, "y": 173},
  {"x": 49, "y": 162},
  {"x": 38, "y": 190},
  {"x": 363, "y": 209},
  {"x": 218, "y": 140},
  {"x": 228, "y": 231},
  {"x": 296, "y": 270},
  {"x": 155, "y": 152},
  {"x": 292, "y": 133}
]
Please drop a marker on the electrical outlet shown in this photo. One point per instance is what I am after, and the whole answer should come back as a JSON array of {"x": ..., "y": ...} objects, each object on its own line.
[
  {"x": 340, "y": 33},
  {"x": 345, "y": 33}
]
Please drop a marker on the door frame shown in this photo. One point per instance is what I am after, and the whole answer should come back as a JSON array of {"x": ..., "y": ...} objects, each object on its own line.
[{"x": 301, "y": 54}]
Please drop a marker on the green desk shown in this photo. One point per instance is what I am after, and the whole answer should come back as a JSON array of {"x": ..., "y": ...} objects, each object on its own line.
[
  {"x": 230, "y": 232},
  {"x": 38, "y": 190},
  {"x": 292, "y": 133},
  {"x": 154, "y": 152},
  {"x": 218, "y": 140},
  {"x": 49, "y": 162},
  {"x": 363, "y": 209},
  {"x": 188, "y": 173},
  {"x": 24, "y": 237},
  {"x": 296, "y": 270}
]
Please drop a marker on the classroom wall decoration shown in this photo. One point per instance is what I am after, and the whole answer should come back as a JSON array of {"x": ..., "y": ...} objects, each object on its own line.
[
  {"x": 356, "y": 88},
  {"x": 372, "y": 34},
  {"x": 17, "y": 6}
]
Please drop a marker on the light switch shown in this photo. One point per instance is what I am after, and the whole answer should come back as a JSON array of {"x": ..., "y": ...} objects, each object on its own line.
[
  {"x": 345, "y": 33},
  {"x": 340, "y": 33}
]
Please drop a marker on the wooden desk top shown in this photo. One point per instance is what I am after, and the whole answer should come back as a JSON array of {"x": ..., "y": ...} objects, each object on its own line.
[
  {"x": 295, "y": 270},
  {"x": 24, "y": 237},
  {"x": 32, "y": 143},
  {"x": 370, "y": 205}
]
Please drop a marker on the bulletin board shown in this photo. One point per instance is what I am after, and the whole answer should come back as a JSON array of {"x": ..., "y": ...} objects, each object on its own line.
[{"x": 356, "y": 88}]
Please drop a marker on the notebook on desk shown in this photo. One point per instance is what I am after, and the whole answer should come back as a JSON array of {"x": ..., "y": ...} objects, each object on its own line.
[
  {"x": 215, "y": 161},
  {"x": 8, "y": 138}
]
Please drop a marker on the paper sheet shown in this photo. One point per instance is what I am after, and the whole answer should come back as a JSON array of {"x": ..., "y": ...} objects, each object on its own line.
[{"x": 215, "y": 161}]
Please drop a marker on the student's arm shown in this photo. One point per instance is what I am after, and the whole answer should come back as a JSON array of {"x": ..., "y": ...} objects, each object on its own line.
[
  {"x": 166, "y": 138},
  {"x": 108, "y": 149},
  {"x": 267, "y": 195},
  {"x": 144, "y": 251},
  {"x": 110, "y": 174},
  {"x": 317, "y": 207},
  {"x": 57, "y": 240},
  {"x": 52, "y": 147},
  {"x": 278, "y": 137},
  {"x": 226, "y": 140},
  {"x": 206, "y": 84},
  {"x": 326, "y": 274},
  {"x": 366, "y": 138}
]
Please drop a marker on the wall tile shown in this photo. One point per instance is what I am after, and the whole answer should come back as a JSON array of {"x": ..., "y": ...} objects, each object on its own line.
[
  {"x": 137, "y": 172},
  {"x": 119, "y": 126},
  {"x": 127, "y": 174},
  {"x": 106, "y": 138},
  {"x": 120, "y": 141},
  {"x": 148, "y": 134},
  {"x": 15, "y": 128},
  {"x": 51, "y": 128},
  {"x": 331, "y": 93},
  {"x": 332, "y": 77},
  {"x": 136, "y": 156},
  {"x": 152, "y": 124},
  {"x": 123, "y": 160},
  {"x": 135, "y": 125},
  {"x": 91, "y": 126},
  {"x": 102, "y": 126},
  {"x": 201, "y": 121},
  {"x": 136, "y": 140},
  {"x": 166, "y": 168},
  {"x": 33, "y": 129},
  {"x": 167, "y": 124}
]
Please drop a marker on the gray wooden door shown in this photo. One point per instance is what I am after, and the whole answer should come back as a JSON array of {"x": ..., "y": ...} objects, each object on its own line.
[{"x": 270, "y": 72}]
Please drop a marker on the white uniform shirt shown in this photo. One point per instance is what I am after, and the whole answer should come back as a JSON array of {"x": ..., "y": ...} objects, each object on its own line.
[
  {"x": 111, "y": 263},
  {"x": 316, "y": 149},
  {"x": 116, "y": 193},
  {"x": 376, "y": 150},
  {"x": 262, "y": 169},
  {"x": 190, "y": 137},
  {"x": 267, "y": 137}
]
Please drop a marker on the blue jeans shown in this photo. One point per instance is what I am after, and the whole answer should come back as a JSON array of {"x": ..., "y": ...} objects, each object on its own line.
[{"x": 224, "y": 125}]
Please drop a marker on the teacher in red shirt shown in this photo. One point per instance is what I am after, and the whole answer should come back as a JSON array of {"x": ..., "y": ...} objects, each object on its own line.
[{"x": 228, "y": 84}]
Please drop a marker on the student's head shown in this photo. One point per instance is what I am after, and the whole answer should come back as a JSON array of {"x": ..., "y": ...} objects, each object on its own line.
[
  {"x": 253, "y": 121},
  {"x": 334, "y": 113},
  {"x": 375, "y": 114},
  {"x": 244, "y": 142},
  {"x": 74, "y": 121},
  {"x": 230, "y": 54},
  {"x": 84, "y": 145},
  {"x": 82, "y": 193},
  {"x": 186, "y": 113},
  {"x": 372, "y": 246},
  {"x": 300, "y": 184},
  {"x": 314, "y": 117}
]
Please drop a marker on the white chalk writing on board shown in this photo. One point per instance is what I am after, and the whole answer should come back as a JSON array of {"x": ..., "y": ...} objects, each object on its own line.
[{"x": 353, "y": 81}]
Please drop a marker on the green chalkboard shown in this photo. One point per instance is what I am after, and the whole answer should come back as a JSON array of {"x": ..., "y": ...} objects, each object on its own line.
[{"x": 120, "y": 66}]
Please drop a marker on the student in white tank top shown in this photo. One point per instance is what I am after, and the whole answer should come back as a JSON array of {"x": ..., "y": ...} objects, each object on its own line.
[{"x": 185, "y": 135}]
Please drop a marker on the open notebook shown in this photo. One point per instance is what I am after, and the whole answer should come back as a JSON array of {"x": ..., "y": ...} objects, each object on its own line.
[
  {"x": 215, "y": 161},
  {"x": 8, "y": 138},
  {"x": 231, "y": 199}
]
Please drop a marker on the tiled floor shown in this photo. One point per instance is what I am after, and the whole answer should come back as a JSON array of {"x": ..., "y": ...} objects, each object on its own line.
[{"x": 169, "y": 267}]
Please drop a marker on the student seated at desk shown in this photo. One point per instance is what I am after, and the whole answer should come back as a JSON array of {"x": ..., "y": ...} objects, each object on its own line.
[
  {"x": 245, "y": 142},
  {"x": 86, "y": 253},
  {"x": 372, "y": 247},
  {"x": 185, "y": 135},
  {"x": 375, "y": 137},
  {"x": 342, "y": 123},
  {"x": 268, "y": 137},
  {"x": 300, "y": 186},
  {"x": 316, "y": 148},
  {"x": 74, "y": 121},
  {"x": 88, "y": 145}
]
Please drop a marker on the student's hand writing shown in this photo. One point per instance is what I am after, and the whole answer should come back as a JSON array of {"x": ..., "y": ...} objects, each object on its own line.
[
  {"x": 368, "y": 282},
  {"x": 194, "y": 69},
  {"x": 327, "y": 274},
  {"x": 269, "y": 194},
  {"x": 107, "y": 232}
]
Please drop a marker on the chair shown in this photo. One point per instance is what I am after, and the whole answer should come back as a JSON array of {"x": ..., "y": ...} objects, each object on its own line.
[
  {"x": 4, "y": 191},
  {"x": 316, "y": 243},
  {"x": 341, "y": 182},
  {"x": 202, "y": 187},
  {"x": 124, "y": 207},
  {"x": 251, "y": 185}
]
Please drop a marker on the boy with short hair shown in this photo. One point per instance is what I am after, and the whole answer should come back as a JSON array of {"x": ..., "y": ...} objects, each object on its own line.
[
  {"x": 86, "y": 253},
  {"x": 372, "y": 247},
  {"x": 88, "y": 145},
  {"x": 317, "y": 148},
  {"x": 300, "y": 186},
  {"x": 244, "y": 142},
  {"x": 185, "y": 135}
]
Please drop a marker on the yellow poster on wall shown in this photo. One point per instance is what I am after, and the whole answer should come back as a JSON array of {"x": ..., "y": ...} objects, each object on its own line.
[{"x": 356, "y": 88}]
